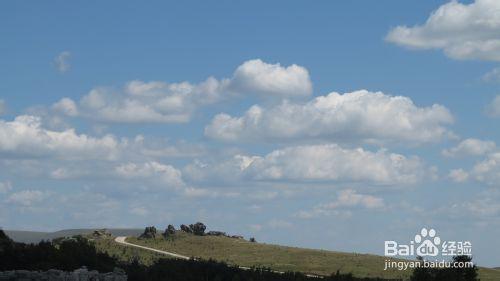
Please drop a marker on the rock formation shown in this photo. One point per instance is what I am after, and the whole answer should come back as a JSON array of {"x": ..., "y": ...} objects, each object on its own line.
[
  {"x": 186, "y": 228},
  {"x": 169, "y": 231},
  {"x": 198, "y": 228},
  {"x": 216, "y": 233},
  {"x": 149, "y": 232}
]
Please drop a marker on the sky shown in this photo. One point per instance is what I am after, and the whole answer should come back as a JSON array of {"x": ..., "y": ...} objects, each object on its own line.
[{"x": 326, "y": 124}]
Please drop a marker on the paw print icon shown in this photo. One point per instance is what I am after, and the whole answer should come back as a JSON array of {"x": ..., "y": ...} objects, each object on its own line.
[{"x": 428, "y": 241}]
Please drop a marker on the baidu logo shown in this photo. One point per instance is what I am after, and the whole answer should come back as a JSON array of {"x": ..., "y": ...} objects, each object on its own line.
[
  {"x": 428, "y": 241},
  {"x": 427, "y": 244}
]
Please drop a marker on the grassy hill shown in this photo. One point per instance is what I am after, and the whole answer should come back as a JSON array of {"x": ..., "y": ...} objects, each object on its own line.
[
  {"x": 37, "y": 236},
  {"x": 280, "y": 258},
  {"x": 240, "y": 252},
  {"x": 244, "y": 253}
]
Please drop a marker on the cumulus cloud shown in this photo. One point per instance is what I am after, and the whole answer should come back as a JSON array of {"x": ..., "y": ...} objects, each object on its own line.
[
  {"x": 346, "y": 199},
  {"x": 470, "y": 147},
  {"x": 166, "y": 174},
  {"x": 361, "y": 116},
  {"x": 462, "y": 31},
  {"x": 493, "y": 109},
  {"x": 161, "y": 102},
  {"x": 62, "y": 61},
  {"x": 492, "y": 75},
  {"x": 458, "y": 175},
  {"x": 484, "y": 206},
  {"x": 26, "y": 197},
  {"x": 66, "y": 106},
  {"x": 25, "y": 136},
  {"x": 318, "y": 163},
  {"x": 271, "y": 80},
  {"x": 488, "y": 170}
]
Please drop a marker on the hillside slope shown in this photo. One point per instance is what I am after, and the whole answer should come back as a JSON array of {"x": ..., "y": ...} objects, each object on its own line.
[{"x": 244, "y": 253}]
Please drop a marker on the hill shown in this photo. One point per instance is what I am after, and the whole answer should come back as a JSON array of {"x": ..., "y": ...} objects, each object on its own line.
[
  {"x": 281, "y": 258},
  {"x": 37, "y": 236},
  {"x": 241, "y": 252}
]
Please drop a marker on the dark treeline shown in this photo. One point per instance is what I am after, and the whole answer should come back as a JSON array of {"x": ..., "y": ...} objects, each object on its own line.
[
  {"x": 71, "y": 254},
  {"x": 452, "y": 274}
]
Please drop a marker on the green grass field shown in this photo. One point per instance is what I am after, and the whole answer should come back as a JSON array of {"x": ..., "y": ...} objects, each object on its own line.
[{"x": 281, "y": 258}]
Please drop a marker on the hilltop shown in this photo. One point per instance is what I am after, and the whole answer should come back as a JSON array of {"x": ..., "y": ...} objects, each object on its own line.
[
  {"x": 37, "y": 236},
  {"x": 233, "y": 250}
]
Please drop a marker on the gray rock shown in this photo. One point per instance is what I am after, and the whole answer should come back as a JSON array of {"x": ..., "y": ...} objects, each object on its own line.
[
  {"x": 149, "y": 232},
  {"x": 216, "y": 233},
  {"x": 169, "y": 231},
  {"x": 198, "y": 228},
  {"x": 186, "y": 228}
]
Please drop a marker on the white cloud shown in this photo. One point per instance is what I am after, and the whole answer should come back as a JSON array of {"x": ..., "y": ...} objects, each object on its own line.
[
  {"x": 271, "y": 80},
  {"x": 66, "y": 106},
  {"x": 493, "y": 109},
  {"x": 319, "y": 163},
  {"x": 358, "y": 116},
  {"x": 488, "y": 204},
  {"x": 348, "y": 198},
  {"x": 166, "y": 174},
  {"x": 462, "y": 31},
  {"x": 74, "y": 172},
  {"x": 161, "y": 148},
  {"x": 5, "y": 187},
  {"x": 26, "y": 197},
  {"x": 488, "y": 170},
  {"x": 458, "y": 175},
  {"x": 61, "y": 61},
  {"x": 156, "y": 101},
  {"x": 25, "y": 136},
  {"x": 150, "y": 101},
  {"x": 470, "y": 147},
  {"x": 492, "y": 75},
  {"x": 3, "y": 107},
  {"x": 483, "y": 206}
]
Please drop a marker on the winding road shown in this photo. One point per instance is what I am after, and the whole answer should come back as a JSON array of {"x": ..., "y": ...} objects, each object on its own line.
[{"x": 121, "y": 240}]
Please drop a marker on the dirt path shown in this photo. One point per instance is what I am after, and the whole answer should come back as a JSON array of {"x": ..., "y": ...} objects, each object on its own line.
[{"x": 121, "y": 240}]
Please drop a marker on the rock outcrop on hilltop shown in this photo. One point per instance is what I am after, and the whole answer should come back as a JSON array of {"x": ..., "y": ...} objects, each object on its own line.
[
  {"x": 101, "y": 233},
  {"x": 216, "y": 233},
  {"x": 169, "y": 231},
  {"x": 186, "y": 228},
  {"x": 149, "y": 232},
  {"x": 198, "y": 228}
]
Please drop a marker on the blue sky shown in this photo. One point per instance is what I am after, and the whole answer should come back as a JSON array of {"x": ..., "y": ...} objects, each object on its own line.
[{"x": 122, "y": 114}]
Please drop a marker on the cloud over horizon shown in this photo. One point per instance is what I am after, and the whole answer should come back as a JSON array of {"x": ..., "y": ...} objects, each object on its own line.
[
  {"x": 162, "y": 102},
  {"x": 462, "y": 31},
  {"x": 362, "y": 116}
]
